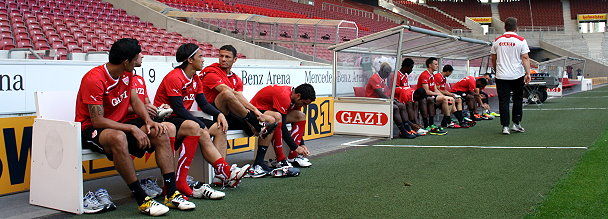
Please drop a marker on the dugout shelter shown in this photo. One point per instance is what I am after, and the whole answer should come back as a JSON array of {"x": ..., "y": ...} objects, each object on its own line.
[{"x": 357, "y": 60}]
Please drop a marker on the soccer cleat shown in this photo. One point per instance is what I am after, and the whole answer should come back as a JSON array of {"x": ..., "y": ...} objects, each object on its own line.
[
  {"x": 192, "y": 182},
  {"x": 505, "y": 130},
  {"x": 236, "y": 174},
  {"x": 406, "y": 135},
  {"x": 477, "y": 117},
  {"x": 152, "y": 207},
  {"x": 279, "y": 172},
  {"x": 267, "y": 129},
  {"x": 150, "y": 187},
  {"x": 486, "y": 116},
  {"x": 163, "y": 112},
  {"x": 454, "y": 125},
  {"x": 494, "y": 114},
  {"x": 437, "y": 131},
  {"x": 465, "y": 125},
  {"x": 105, "y": 199},
  {"x": 205, "y": 191},
  {"x": 300, "y": 161},
  {"x": 518, "y": 128},
  {"x": 422, "y": 132},
  {"x": 466, "y": 119},
  {"x": 179, "y": 201},
  {"x": 277, "y": 164},
  {"x": 91, "y": 204},
  {"x": 258, "y": 171}
]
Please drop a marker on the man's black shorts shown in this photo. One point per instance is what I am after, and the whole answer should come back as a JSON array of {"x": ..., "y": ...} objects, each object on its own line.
[
  {"x": 177, "y": 121},
  {"x": 90, "y": 140}
]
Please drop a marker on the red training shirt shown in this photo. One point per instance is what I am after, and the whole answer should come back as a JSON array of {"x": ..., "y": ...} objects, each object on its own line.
[
  {"x": 176, "y": 84},
  {"x": 426, "y": 78},
  {"x": 375, "y": 82},
  {"x": 467, "y": 84},
  {"x": 213, "y": 75},
  {"x": 273, "y": 97},
  {"x": 139, "y": 85},
  {"x": 99, "y": 88}
]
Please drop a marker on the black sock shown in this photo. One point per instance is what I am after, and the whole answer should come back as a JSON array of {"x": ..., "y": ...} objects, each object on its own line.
[
  {"x": 169, "y": 182},
  {"x": 425, "y": 122},
  {"x": 431, "y": 120},
  {"x": 259, "y": 157},
  {"x": 445, "y": 121},
  {"x": 138, "y": 192},
  {"x": 253, "y": 120},
  {"x": 459, "y": 116}
]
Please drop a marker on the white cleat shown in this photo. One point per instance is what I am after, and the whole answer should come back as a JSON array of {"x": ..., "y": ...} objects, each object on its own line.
[
  {"x": 178, "y": 201},
  {"x": 206, "y": 192},
  {"x": 152, "y": 207},
  {"x": 300, "y": 161},
  {"x": 505, "y": 130}
]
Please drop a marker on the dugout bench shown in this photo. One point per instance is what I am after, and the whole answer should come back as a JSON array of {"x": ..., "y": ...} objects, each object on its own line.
[{"x": 56, "y": 180}]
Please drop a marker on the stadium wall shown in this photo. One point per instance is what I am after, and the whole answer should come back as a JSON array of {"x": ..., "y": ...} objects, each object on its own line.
[
  {"x": 201, "y": 34},
  {"x": 592, "y": 68}
]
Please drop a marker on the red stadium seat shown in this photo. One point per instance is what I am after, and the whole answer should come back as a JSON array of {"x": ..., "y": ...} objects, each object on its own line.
[{"x": 6, "y": 44}]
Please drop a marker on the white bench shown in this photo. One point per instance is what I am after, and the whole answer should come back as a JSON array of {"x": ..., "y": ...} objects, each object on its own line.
[{"x": 56, "y": 170}]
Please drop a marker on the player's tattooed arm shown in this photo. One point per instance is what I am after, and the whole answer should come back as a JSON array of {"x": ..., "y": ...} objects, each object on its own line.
[
  {"x": 96, "y": 111},
  {"x": 99, "y": 121}
]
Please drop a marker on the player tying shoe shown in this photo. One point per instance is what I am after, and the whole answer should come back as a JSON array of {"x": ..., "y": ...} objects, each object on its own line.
[
  {"x": 180, "y": 88},
  {"x": 443, "y": 87},
  {"x": 224, "y": 89},
  {"x": 426, "y": 81},
  {"x": 284, "y": 104},
  {"x": 469, "y": 89},
  {"x": 102, "y": 105},
  {"x": 408, "y": 95}
]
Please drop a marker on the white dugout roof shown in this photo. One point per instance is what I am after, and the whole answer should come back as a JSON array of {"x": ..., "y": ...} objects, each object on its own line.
[{"x": 417, "y": 42}]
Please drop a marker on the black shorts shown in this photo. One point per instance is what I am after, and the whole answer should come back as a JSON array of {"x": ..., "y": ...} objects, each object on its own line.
[
  {"x": 90, "y": 140},
  {"x": 177, "y": 121}
]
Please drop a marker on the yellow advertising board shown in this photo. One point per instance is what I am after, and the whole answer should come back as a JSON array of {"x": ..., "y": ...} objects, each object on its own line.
[
  {"x": 482, "y": 20},
  {"x": 16, "y": 144},
  {"x": 592, "y": 17}
]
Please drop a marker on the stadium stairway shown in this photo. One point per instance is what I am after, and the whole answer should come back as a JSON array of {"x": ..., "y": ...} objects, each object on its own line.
[
  {"x": 145, "y": 13},
  {"x": 392, "y": 7}
]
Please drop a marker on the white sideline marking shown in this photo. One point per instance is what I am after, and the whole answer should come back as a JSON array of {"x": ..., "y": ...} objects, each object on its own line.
[
  {"x": 585, "y": 97},
  {"x": 574, "y": 108},
  {"x": 351, "y": 143},
  {"x": 456, "y": 146}
]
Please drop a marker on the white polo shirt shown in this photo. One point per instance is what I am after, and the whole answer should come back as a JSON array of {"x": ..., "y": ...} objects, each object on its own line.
[{"x": 508, "y": 49}]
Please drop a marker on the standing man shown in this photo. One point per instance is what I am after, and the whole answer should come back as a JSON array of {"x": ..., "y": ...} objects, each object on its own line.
[{"x": 512, "y": 66}]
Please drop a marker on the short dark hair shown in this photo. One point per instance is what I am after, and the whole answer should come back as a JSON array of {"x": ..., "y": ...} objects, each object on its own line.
[
  {"x": 183, "y": 53},
  {"x": 419, "y": 94},
  {"x": 448, "y": 68},
  {"x": 429, "y": 61},
  {"x": 407, "y": 62},
  {"x": 511, "y": 24},
  {"x": 124, "y": 49},
  {"x": 483, "y": 82},
  {"x": 229, "y": 48},
  {"x": 306, "y": 91}
]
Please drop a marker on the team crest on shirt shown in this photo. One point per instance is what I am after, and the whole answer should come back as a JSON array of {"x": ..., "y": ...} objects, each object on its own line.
[
  {"x": 125, "y": 80},
  {"x": 94, "y": 134},
  {"x": 194, "y": 85},
  {"x": 140, "y": 81}
]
